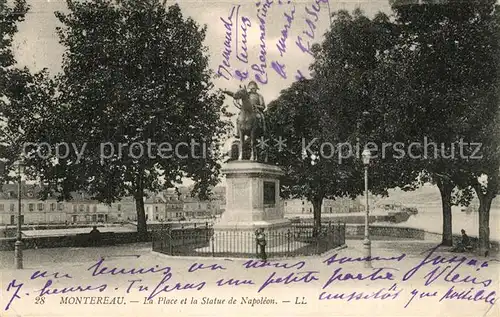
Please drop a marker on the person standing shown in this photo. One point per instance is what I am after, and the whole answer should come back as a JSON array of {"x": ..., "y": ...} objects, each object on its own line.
[
  {"x": 95, "y": 236},
  {"x": 261, "y": 242}
]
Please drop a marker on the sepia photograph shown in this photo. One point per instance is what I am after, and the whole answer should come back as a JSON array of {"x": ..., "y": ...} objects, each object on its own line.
[{"x": 250, "y": 158}]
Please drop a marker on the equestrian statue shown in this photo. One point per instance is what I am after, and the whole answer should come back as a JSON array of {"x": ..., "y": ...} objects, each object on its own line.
[{"x": 251, "y": 121}]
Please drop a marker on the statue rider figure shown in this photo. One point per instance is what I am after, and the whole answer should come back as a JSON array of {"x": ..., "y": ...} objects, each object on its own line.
[{"x": 257, "y": 102}]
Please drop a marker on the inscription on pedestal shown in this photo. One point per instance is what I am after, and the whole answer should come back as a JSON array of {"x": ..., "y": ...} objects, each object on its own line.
[
  {"x": 241, "y": 192},
  {"x": 269, "y": 193}
]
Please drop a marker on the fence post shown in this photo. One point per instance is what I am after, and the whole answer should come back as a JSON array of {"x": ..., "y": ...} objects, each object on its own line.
[
  {"x": 153, "y": 238},
  {"x": 337, "y": 234},
  {"x": 339, "y": 231},
  {"x": 169, "y": 238},
  {"x": 211, "y": 240},
  {"x": 342, "y": 236},
  {"x": 161, "y": 237},
  {"x": 316, "y": 241},
  {"x": 330, "y": 236},
  {"x": 289, "y": 242},
  {"x": 256, "y": 245}
]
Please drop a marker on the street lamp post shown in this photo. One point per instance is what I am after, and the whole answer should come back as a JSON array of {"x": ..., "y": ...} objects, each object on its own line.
[
  {"x": 366, "y": 242},
  {"x": 18, "y": 246}
]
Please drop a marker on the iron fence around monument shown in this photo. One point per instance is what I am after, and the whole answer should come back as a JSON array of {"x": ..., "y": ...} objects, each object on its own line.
[{"x": 205, "y": 241}]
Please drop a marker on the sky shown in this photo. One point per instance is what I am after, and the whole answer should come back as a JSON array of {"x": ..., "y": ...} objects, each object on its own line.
[{"x": 37, "y": 46}]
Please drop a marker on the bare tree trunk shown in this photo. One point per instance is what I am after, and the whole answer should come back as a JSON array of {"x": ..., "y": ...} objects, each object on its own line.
[
  {"x": 142, "y": 230},
  {"x": 484, "y": 220},
  {"x": 446, "y": 188},
  {"x": 317, "y": 215}
]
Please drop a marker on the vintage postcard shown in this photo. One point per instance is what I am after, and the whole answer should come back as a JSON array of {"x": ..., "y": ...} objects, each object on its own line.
[{"x": 249, "y": 158}]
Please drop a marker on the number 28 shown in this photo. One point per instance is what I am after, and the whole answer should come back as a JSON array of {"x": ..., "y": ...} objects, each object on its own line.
[{"x": 39, "y": 300}]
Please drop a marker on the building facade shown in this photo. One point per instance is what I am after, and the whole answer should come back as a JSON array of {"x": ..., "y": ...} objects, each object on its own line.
[
  {"x": 196, "y": 208},
  {"x": 80, "y": 210},
  {"x": 174, "y": 206},
  {"x": 329, "y": 206},
  {"x": 164, "y": 206}
]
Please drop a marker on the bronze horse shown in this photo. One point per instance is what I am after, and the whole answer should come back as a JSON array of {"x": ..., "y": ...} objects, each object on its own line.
[{"x": 247, "y": 123}]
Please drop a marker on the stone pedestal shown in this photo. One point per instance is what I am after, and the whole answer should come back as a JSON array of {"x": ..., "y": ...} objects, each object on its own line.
[{"x": 252, "y": 202}]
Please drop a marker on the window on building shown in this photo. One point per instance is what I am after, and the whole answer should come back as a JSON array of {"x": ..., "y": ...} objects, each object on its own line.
[
  {"x": 39, "y": 206},
  {"x": 310, "y": 209},
  {"x": 12, "y": 219},
  {"x": 75, "y": 208},
  {"x": 119, "y": 207},
  {"x": 302, "y": 202},
  {"x": 303, "y": 209},
  {"x": 31, "y": 207},
  {"x": 87, "y": 208},
  {"x": 106, "y": 218},
  {"x": 52, "y": 206},
  {"x": 156, "y": 208},
  {"x": 82, "y": 208},
  {"x": 331, "y": 210},
  {"x": 60, "y": 206},
  {"x": 94, "y": 209},
  {"x": 12, "y": 207},
  {"x": 1, "y": 207}
]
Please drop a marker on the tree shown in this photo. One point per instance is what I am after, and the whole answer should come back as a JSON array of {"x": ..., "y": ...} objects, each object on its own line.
[
  {"x": 16, "y": 86},
  {"x": 135, "y": 76},
  {"x": 485, "y": 173},
  {"x": 311, "y": 171},
  {"x": 486, "y": 182},
  {"x": 9, "y": 17},
  {"x": 30, "y": 97},
  {"x": 337, "y": 109},
  {"x": 447, "y": 53}
]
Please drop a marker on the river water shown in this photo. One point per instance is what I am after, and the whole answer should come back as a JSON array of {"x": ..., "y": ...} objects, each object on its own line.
[{"x": 430, "y": 218}]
